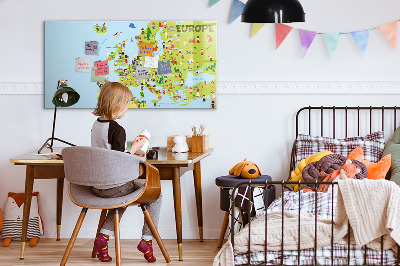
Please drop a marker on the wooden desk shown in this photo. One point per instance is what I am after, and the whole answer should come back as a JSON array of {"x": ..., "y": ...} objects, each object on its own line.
[{"x": 168, "y": 164}]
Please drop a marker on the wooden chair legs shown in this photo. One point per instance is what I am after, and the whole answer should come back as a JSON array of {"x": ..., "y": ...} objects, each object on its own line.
[
  {"x": 223, "y": 229},
  {"x": 156, "y": 235},
  {"x": 101, "y": 222},
  {"x": 117, "y": 238},
  {"x": 73, "y": 237}
]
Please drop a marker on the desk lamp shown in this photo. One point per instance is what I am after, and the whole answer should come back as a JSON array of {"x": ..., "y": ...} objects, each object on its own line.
[
  {"x": 63, "y": 97},
  {"x": 273, "y": 11}
]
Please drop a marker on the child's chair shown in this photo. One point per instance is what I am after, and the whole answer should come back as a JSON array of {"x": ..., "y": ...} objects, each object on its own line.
[{"x": 85, "y": 167}]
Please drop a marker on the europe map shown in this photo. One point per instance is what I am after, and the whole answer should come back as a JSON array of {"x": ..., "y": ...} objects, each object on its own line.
[{"x": 166, "y": 64}]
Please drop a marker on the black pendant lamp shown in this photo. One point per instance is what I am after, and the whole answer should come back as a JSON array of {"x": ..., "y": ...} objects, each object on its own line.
[{"x": 273, "y": 11}]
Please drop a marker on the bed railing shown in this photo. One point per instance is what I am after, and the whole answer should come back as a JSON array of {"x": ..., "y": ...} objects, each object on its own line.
[
  {"x": 333, "y": 120},
  {"x": 265, "y": 185}
]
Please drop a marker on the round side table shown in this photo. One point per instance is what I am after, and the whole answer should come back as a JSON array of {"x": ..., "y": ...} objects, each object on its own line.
[{"x": 228, "y": 182}]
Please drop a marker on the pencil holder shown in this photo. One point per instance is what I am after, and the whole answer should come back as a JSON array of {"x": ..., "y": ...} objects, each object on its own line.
[{"x": 200, "y": 143}]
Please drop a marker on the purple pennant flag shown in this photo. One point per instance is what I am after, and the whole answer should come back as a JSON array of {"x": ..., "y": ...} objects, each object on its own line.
[
  {"x": 306, "y": 39},
  {"x": 237, "y": 9},
  {"x": 361, "y": 38}
]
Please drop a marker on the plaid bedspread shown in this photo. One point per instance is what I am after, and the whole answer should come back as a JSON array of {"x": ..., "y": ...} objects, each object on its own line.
[{"x": 321, "y": 205}]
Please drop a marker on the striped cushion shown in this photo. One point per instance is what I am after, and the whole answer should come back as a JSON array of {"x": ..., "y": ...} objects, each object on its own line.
[
  {"x": 13, "y": 228},
  {"x": 372, "y": 145}
]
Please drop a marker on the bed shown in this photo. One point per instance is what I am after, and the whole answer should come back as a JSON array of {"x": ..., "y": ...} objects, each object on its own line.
[{"x": 301, "y": 227}]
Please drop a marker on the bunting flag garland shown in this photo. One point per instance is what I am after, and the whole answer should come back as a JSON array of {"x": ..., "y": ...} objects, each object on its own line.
[
  {"x": 361, "y": 37},
  {"x": 281, "y": 31},
  {"x": 332, "y": 41},
  {"x": 213, "y": 2},
  {"x": 389, "y": 30},
  {"x": 237, "y": 9},
  {"x": 306, "y": 39},
  {"x": 256, "y": 28}
]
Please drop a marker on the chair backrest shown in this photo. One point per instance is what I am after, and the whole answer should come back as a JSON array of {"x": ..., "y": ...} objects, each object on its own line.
[{"x": 92, "y": 166}]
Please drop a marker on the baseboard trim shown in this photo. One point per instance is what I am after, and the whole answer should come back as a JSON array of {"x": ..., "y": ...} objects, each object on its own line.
[{"x": 258, "y": 87}]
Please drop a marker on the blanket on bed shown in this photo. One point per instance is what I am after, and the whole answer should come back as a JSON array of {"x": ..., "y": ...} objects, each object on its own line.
[{"x": 371, "y": 206}]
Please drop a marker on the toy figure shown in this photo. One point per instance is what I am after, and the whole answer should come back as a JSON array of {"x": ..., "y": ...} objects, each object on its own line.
[{"x": 13, "y": 215}]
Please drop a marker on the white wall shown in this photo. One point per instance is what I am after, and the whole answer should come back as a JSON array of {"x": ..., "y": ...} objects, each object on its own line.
[{"x": 258, "y": 127}]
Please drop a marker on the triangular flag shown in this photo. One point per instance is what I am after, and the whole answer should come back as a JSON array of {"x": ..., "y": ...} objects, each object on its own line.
[
  {"x": 332, "y": 41},
  {"x": 255, "y": 28},
  {"x": 281, "y": 31},
  {"x": 306, "y": 39},
  {"x": 213, "y": 2},
  {"x": 390, "y": 32},
  {"x": 361, "y": 37},
  {"x": 237, "y": 9}
]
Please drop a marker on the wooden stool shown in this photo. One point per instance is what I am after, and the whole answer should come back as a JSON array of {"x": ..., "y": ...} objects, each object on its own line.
[{"x": 226, "y": 183}]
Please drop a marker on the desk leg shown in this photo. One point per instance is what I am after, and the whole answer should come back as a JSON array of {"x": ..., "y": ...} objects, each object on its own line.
[
  {"x": 199, "y": 204},
  {"x": 27, "y": 206},
  {"x": 176, "y": 183},
  {"x": 60, "y": 190}
]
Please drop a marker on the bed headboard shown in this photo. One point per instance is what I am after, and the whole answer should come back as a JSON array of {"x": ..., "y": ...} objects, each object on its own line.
[{"x": 344, "y": 121}]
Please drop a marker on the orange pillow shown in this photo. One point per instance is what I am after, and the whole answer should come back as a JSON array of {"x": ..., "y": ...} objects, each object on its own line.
[{"x": 375, "y": 170}]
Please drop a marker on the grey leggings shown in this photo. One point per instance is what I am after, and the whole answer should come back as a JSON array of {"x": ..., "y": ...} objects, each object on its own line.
[{"x": 154, "y": 208}]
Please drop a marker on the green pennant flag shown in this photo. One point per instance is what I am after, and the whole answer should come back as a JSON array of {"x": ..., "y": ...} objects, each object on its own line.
[{"x": 213, "y": 2}]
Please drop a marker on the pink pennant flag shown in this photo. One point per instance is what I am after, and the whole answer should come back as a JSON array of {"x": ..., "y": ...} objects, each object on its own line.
[
  {"x": 389, "y": 30},
  {"x": 281, "y": 31},
  {"x": 306, "y": 39}
]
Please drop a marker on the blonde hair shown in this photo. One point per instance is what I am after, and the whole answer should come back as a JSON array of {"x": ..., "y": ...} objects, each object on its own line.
[{"x": 112, "y": 99}]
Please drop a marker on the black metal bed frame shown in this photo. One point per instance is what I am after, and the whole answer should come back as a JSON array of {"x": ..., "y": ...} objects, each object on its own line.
[{"x": 283, "y": 184}]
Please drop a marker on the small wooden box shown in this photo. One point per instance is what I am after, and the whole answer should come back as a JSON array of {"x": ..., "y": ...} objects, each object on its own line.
[
  {"x": 200, "y": 143},
  {"x": 171, "y": 143}
]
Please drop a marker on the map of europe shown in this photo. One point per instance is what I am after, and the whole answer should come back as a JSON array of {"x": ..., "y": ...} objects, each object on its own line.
[{"x": 166, "y": 64}]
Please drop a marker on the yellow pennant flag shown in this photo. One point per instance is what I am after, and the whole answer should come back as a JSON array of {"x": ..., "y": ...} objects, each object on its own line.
[{"x": 256, "y": 28}]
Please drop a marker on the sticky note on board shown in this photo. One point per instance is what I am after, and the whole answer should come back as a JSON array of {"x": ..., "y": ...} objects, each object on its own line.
[
  {"x": 102, "y": 67},
  {"x": 94, "y": 78},
  {"x": 145, "y": 49},
  {"x": 82, "y": 64},
  {"x": 151, "y": 62},
  {"x": 164, "y": 67},
  {"x": 91, "y": 48},
  {"x": 142, "y": 72}
]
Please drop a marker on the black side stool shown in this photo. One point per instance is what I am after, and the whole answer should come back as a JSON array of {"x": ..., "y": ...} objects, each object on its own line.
[{"x": 226, "y": 183}]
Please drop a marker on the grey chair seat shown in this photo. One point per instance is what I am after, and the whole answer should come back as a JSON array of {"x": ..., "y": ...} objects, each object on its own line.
[{"x": 83, "y": 196}]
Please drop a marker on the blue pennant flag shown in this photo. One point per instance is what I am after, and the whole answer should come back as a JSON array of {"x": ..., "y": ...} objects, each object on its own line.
[
  {"x": 361, "y": 38},
  {"x": 237, "y": 9},
  {"x": 213, "y": 2},
  {"x": 332, "y": 41}
]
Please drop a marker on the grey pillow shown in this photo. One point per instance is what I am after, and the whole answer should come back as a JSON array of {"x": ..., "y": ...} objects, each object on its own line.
[{"x": 393, "y": 148}]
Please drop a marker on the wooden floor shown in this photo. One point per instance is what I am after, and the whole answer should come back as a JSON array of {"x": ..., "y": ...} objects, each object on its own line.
[{"x": 50, "y": 252}]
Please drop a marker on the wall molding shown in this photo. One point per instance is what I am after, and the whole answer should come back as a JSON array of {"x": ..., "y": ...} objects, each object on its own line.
[{"x": 259, "y": 87}]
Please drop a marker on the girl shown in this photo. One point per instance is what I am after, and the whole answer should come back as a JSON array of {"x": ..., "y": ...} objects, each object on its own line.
[{"x": 106, "y": 133}]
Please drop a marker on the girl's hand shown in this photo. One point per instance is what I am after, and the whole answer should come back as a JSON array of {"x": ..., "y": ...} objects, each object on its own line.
[
  {"x": 137, "y": 144},
  {"x": 142, "y": 155}
]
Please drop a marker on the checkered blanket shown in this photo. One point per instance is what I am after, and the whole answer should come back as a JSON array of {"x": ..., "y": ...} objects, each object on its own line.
[{"x": 324, "y": 206}]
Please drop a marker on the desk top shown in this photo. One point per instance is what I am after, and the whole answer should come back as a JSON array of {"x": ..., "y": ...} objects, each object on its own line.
[{"x": 164, "y": 157}]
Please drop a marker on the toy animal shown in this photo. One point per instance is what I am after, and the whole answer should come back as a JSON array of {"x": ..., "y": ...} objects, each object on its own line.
[
  {"x": 13, "y": 215},
  {"x": 180, "y": 144},
  {"x": 245, "y": 169}
]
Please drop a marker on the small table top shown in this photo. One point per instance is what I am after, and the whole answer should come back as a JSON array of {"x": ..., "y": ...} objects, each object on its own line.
[
  {"x": 230, "y": 181},
  {"x": 164, "y": 157}
]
